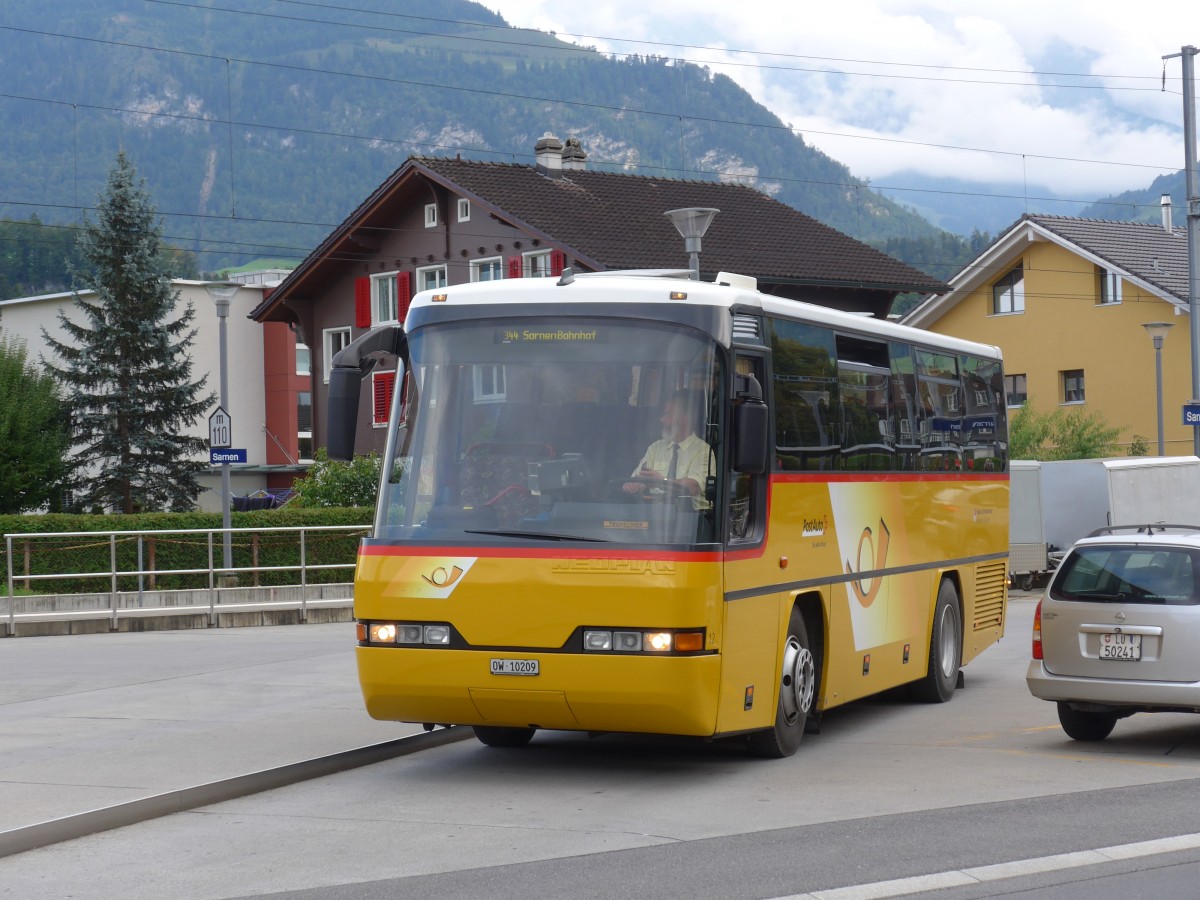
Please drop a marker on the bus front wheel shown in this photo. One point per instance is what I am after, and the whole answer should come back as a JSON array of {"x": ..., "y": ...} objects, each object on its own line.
[
  {"x": 503, "y": 737},
  {"x": 797, "y": 688},
  {"x": 945, "y": 649}
]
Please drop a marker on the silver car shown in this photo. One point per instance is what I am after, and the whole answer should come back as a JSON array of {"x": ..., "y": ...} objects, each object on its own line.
[{"x": 1118, "y": 629}]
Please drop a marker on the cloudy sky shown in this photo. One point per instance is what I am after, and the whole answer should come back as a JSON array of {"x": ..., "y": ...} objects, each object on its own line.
[{"x": 1061, "y": 93}]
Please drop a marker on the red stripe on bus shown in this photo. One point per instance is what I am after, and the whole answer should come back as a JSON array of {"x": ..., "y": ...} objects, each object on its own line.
[
  {"x": 874, "y": 477},
  {"x": 547, "y": 553}
]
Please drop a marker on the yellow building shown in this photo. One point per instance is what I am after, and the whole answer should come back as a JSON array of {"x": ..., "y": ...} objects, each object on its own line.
[{"x": 1065, "y": 299}]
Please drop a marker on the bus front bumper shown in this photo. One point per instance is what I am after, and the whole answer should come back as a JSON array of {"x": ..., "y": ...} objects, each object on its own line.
[{"x": 577, "y": 692}]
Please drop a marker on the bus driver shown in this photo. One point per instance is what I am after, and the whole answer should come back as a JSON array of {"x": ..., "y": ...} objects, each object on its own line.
[{"x": 680, "y": 457}]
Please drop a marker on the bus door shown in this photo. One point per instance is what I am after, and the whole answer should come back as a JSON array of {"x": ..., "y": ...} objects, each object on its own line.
[{"x": 751, "y": 609}]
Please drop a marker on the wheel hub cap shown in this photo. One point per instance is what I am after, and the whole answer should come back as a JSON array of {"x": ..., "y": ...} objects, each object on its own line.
[{"x": 799, "y": 680}]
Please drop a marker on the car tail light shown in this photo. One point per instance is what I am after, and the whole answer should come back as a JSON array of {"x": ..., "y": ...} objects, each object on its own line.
[{"x": 1037, "y": 631}]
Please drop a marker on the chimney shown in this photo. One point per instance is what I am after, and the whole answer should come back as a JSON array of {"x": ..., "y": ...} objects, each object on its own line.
[
  {"x": 548, "y": 152},
  {"x": 1165, "y": 203},
  {"x": 574, "y": 159}
]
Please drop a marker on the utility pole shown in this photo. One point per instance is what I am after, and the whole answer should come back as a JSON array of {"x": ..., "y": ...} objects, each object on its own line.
[{"x": 1188, "y": 55}]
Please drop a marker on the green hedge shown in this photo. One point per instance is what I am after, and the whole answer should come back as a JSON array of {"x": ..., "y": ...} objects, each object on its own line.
[{"x": 69, "y": 556}]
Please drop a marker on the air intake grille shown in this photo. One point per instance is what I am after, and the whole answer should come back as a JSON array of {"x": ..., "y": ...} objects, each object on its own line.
[
  {"x": 990, "y": 580},
  {"x": 747, "y": 328}
]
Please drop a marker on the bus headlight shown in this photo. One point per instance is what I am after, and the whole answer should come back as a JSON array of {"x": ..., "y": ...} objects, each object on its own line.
[
  {"x": 383, "y": 633},
  {"x": 410, "y": 633},
  {"x": 658, "y": 640},
  {"x": 604, "y": 640},
  {"x": 597, "y": 640},
  {"x": 628, "y": 641}
]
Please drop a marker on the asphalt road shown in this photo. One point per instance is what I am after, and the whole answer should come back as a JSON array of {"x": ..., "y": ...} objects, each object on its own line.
[{"x": 889, "y": 790}]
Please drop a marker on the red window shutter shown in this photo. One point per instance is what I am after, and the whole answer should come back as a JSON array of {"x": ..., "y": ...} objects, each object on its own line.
[
  {"x": 558, "y": 262},
  {"x": 381, "y": 389},
  {"x": 403, "y": 294},
  {"x": 514, "y": 267},
  {"x": 362, "y": 302}
]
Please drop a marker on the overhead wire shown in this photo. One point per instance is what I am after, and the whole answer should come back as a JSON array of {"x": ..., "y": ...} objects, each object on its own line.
[
  {"x": 663, "y": 44},
  {"x": 428, "y": 145}
]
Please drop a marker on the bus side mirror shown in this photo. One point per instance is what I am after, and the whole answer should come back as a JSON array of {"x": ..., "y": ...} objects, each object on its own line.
[
  {"x": 342, "y": 419},
  {"x": 750, "y": 436},
  {"x": 347, "y": 369}
]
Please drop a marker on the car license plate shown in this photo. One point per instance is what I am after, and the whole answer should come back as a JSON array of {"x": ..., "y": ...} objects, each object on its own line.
[
  {"x": 514, "y": 667},
  {"x": 1120, "y": 646}
]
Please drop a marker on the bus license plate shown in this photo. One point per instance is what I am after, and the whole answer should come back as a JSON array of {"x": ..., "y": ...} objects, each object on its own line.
[
  {"x": 514, "y": 667},
  {"x": 1120, "y": 646}
]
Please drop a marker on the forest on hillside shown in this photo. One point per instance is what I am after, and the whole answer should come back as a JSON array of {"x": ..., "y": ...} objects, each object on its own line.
[{"x": 258, "y": 135}]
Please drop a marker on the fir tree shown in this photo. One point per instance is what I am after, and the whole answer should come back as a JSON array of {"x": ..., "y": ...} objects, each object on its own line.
[{"x": 126, "y": 368}]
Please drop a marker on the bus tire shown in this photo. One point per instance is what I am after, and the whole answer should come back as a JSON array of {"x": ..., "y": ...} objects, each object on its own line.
[
  {"x": 503, "y": 737},
  {"x": 945, "y": 649},
  {"x": 797, "y": 690}
]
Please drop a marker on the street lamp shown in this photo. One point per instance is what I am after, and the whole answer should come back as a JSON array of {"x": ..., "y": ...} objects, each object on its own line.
[
  {"x": 1158, "y": 331},
  {"x": 691, "y": 223},
  {"x": 222, "y": 293}
]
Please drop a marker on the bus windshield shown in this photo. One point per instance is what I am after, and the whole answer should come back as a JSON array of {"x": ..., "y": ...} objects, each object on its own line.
[{"x": 527, "y": 429}]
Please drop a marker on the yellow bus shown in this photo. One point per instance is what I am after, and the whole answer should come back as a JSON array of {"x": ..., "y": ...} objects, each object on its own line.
[{"x": 639, "y": 503}]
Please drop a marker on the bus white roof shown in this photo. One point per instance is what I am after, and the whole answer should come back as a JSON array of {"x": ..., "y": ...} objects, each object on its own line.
[{"x": 656, "y": 287}]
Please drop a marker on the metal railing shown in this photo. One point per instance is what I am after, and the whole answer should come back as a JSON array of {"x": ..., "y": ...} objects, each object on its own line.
[{"x": 210, "y": 577}]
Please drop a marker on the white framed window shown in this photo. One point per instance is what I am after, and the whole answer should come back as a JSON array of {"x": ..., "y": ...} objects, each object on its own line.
[
  {"x": 490, "y": 269},
  {"x": 488, "y": 383},
  {"x": 536, "y": 265},
  {"x": 332, "y": 340},
  {"x": 1108, "y": 286},
  {"x": 431, "y": 277},
  {"x": 303, "y": 358},
  {"x": 431, "y": 215},
  {"x": 1072, "y": 386},
  {"x": 385, "y": 304},
  {"x": 304, "y": 426},
  {"x": 1008, "y": 294},
  {"x": 464, "y": 209}
]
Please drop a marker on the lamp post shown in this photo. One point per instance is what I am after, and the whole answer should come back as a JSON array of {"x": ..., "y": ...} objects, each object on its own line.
[
  {"x": 1158, "y": 332},
  {"x": 691, "y": 223},
  {"x": 222, "y": 293}
]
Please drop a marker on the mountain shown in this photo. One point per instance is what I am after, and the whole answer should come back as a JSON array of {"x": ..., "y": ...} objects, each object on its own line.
[
  {"x": 966, "y": 207},
  {"x": 1144, "y": 205},
  {"x": 260, "y": 129}
]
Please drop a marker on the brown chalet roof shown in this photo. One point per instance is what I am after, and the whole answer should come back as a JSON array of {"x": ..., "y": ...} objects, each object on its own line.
[{"x": 611, "y": 220}]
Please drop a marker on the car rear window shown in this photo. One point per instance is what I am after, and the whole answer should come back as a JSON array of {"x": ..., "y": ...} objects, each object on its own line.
[{"x": 1134, "y": 574}]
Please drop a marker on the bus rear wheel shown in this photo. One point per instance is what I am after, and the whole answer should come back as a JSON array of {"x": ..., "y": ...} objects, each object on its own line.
[
  {"x": 494, "y": 736},
  {"x": 797, "y": 688},
  {"x": 945, "y": 650}
]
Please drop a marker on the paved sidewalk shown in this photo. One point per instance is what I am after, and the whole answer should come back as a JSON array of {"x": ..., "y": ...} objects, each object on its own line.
[{"x": 94, "y": 720}]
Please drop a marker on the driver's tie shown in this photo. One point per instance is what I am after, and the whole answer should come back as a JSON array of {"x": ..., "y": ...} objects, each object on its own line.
[{"x": 674, "y": 462}]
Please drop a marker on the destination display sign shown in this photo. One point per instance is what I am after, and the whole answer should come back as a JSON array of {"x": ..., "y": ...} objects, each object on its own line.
[{"x": 550, "y": 335}]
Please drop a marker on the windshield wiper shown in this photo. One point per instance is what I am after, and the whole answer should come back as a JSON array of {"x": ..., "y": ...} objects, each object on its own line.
[
  {"x": 536, "y": 535},
  {"x": 1110, "y": 596}
]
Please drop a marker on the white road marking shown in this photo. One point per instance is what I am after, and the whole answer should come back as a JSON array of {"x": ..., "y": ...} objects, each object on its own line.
[{"x": 962, "y": 877}]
